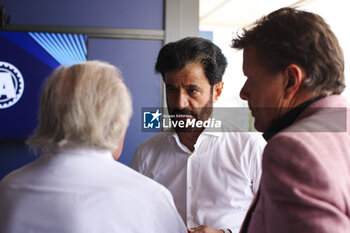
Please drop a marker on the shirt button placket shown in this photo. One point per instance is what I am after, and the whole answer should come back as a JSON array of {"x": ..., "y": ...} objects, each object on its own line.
[{"x": 189, "y": 190}]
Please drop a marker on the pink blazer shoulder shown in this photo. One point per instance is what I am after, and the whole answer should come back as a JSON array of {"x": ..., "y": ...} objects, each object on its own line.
[{"x": 305, "y": 183}]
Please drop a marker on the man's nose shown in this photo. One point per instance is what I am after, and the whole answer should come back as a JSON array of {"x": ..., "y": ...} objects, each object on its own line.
[
  {"x": 182, "y": 100},
  {"x": 244, "y": 92}
]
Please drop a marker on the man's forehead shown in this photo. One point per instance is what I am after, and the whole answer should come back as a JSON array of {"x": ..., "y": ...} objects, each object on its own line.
[
  {"x": 191, "y": 74},
  {"x": 249, "y": 58},
  {"x": 187, "y": 82}
]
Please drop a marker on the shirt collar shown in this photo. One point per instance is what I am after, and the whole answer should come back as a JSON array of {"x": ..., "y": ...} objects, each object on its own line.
[
  {"x": 205, "y": 134},
  {"x": 288, "y": 119},
  {"x": 86, "y": 151},
  {"x": 172, "y": 133}
]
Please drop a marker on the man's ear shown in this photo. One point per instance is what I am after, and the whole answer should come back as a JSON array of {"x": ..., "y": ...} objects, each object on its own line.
[
  {"x": 294, "y": 77},
  {"x": 217, "y": 90}
]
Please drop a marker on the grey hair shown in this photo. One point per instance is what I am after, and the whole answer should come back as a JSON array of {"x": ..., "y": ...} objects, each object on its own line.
[{"x": 85, "y": 104}]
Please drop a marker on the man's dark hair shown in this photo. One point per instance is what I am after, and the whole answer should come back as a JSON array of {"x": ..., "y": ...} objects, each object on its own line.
[
  {"x": 289, "y": 36},
  {"x": 176, "y": 55}
]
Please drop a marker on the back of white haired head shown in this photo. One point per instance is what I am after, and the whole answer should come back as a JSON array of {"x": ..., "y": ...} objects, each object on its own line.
[{"x": 86, "y": 104}]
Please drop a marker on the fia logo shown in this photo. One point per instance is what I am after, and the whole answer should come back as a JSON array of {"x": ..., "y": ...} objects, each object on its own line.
[
  {"x": 11, "y": 85},
  {"x": 151, "y": 119}
]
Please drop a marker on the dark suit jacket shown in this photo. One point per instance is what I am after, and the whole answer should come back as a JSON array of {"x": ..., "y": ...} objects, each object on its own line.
[{"x": 305, "y": 183}]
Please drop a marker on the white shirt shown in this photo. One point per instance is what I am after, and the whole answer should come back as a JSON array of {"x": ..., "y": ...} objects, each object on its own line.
[
  {"x": 84, "y": 191},
  {"x": 214, "y": 184}
]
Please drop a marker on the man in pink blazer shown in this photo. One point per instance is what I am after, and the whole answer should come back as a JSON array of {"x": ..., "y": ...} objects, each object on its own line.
[{"x": 295, "y": 74}]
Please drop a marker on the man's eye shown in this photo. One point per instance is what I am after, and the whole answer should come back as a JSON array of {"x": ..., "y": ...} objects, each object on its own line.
[{"x": 192, "y": 91}]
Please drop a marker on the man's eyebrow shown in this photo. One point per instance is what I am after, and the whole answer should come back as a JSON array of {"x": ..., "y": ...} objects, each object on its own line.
[
  {"x": 169, "y": 85},
  {"x": 194, "y": 86}
]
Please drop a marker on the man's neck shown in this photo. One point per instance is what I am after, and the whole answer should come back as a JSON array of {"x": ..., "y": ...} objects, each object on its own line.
[{"x": 189, "y": 139}]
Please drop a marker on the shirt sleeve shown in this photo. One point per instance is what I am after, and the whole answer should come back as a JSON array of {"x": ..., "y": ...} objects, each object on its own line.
[{"x": 166, "y": 215}]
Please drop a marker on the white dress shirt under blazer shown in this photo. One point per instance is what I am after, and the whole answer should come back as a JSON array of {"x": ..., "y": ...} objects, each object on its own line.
[
  {"x": 84, "y": 191},
  {"x": 214, "y": 184}
]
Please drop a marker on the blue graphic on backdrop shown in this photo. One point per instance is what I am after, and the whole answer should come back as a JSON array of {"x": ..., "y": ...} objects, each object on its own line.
[
  {"x": 27, "y": 59},
  {"x": 11, "y": 85}
]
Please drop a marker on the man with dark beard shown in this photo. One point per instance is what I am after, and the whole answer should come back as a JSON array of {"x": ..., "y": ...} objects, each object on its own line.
[{"x": 213, "y": 176}]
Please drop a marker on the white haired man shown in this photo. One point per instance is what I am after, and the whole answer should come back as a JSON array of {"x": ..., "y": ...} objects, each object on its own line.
[{"x": 76, "y": 186}]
